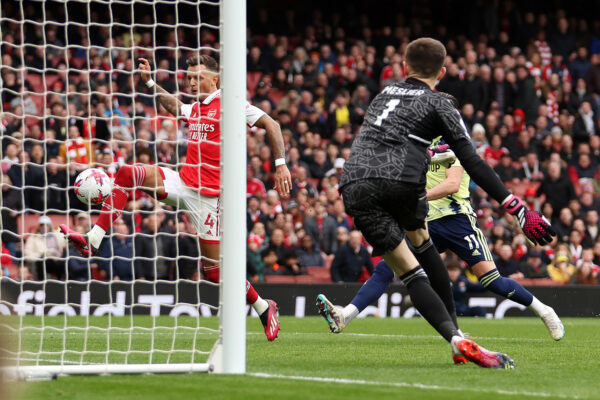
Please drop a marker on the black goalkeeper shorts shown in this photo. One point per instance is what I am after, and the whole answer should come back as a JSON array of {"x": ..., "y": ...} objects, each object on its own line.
[{"x": 384, "y": 210}]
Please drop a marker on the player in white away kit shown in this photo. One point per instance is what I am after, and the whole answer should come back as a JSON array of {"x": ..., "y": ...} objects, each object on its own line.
[{"x": 196, "y": 187}]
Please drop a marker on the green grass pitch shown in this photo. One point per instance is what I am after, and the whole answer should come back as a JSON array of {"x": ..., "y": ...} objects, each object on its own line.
[{"x": 372, "y": 359}]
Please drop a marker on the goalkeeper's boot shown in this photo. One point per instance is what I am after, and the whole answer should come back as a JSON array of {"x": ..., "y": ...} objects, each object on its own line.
[
  {"x": 553, "y": 323},
  {"x": 333, "y": 316},
  {"x": 79, "y": 240},
  {"x": 270, "y": 321},
  {"x": 458, "y": 358},
  {"x": 479, "y": 355}
]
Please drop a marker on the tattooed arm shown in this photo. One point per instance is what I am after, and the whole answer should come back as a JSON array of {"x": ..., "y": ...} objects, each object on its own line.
[{"x": 171, "y": 103}]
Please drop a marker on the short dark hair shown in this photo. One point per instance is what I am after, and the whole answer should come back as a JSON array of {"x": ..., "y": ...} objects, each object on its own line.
[
  {"x": 425, "y": 57},
  {"x": 210, "y": 63},
  {"x": 451, "y": 98}
]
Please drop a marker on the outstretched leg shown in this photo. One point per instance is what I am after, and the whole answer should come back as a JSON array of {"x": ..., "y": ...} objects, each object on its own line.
[
  {"x": 266, "y": 309},
  {"x": 128, "y": 178},
  {"x": 490, "y": 278}
]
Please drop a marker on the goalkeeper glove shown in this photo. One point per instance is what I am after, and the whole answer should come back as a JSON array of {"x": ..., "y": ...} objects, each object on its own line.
[
  {"x": 534, "y": 225},
  {"x": 441, "y": 153}
]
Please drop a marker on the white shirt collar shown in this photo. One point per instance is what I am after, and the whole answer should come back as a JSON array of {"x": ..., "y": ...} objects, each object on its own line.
[{"x": 212, "y": 96}]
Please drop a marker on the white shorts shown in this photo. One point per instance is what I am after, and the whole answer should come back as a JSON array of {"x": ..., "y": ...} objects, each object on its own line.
[{"x": 203, "y": 210}]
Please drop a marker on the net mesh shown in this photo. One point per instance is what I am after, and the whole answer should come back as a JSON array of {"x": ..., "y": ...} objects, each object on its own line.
[{"x": 72, "y": 98}]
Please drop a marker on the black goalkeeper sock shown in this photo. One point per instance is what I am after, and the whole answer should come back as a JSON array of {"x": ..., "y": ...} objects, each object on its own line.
[
  {"x": 428, "y": 303},
  {"x": 434, "y": 267}
]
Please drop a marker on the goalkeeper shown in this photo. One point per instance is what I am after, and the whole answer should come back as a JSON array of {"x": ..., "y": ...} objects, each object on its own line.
[
  {"x": 196, "y": 187},
  {"x": 452, "y": 225},
  {"x": 383, "y": 187}
]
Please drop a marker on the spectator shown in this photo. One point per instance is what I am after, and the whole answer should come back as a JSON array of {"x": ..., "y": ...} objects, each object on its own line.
[
  {"x": 272, "y": 267},
  {"x": 580, "y": 64},
  {"x": 284, "y": 253},
  {"x": 460, "y": 287},
  {"x": 43, "y": 251},
  {"x": 155, "y": 249},
  {"x": 505, "y": 170},
  {"x": 350, "y": 259},
  {"x": 532, "y": 266},
  {"x": 578, "y": 96},
  {"x": 79, "y": 268},
  {"x": 254, "y": 186},
  {"x": 557, "y": 188},
  {"x": 319, "y": 164},
  {"x": 506, "y": 265},
  {"x": 531, "y": 171},
  {"x": 563, "y": 225},
  {"x": 591, "y": 224},
  {"x": 561, "y": 270},
  {"x": 309, "y": 254},
  {"x": 255, "y": 265},
  {"x": 56, "y": 196},
  {"x": 116, "y": 254},
  {"x": 582, "y": 172},
  {"x": 11, "y": 205},
  {"x": 587, "y": 271},
  {"x": 301, "y": 184},
  {"x": 254, "y": 214},
  {"x": 494, "y": 151},
  {"x": 526, "y": 98},
  {"x": 322, "y": 228},
  {"x": 586, "y": 123},
  {"x": 187, "y": 262},
  {"x": 341, "y": 112}
]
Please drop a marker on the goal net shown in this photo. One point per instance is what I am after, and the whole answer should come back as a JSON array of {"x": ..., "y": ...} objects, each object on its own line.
[{"x": 72, "y": 98}]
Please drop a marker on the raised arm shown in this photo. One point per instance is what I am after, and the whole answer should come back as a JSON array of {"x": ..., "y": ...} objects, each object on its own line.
[
  {"x": 282, "y": 177},
  {"x": 535, "y": 226},
  {"x": 448, "y": 186},
  {"x": 171, "y": 103}
]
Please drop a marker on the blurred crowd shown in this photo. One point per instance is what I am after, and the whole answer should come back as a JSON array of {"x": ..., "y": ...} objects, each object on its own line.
[{"x": 528, "y": 83}]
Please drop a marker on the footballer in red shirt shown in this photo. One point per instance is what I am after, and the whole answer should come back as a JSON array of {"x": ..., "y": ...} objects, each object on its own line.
[{"x": 196, "y": 187}]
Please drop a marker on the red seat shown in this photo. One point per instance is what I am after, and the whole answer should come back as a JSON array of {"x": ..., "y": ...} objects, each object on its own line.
[
  {"x": 50, "y": 79},
  {"x": 252, "y": 79},
  {"x": 276, "y": 95},
  {"x": 312, "y": 279},
  {"x": 280, "y": 279},
  {"x": 319, "y": 272},
  {"x": 29, "y": 223},
  {"x": 36, "y": 82}
]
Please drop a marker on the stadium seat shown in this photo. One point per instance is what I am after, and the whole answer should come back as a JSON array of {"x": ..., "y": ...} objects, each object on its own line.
[
  {"x": 280, "y": 279},
  {"x": 252, "y": 79},
  {"x": 50, "y": 79},
  {"x": 312, "y": 279},
  {"x": 539, "y": 282},
  {"x": 28, "y": 223},
  {"x": 276, "y": 96},
  {"x": 322, "y": 273},
  {"x": 36, "y": 82}
]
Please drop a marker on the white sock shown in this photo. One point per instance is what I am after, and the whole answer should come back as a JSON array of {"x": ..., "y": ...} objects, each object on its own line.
[
  {"x": 95, "y": 236},
  {"x": 260, "y": 305},
  {"x": 537, "y": 306},
  {"x": 349, "y": 312},
  {"x": 461, "y": 333}
]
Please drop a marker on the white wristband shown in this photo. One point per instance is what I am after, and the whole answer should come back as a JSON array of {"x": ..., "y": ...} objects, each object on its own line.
[
  {"x": 279, "y": 161},
  {"x": 150, "y": 84}
]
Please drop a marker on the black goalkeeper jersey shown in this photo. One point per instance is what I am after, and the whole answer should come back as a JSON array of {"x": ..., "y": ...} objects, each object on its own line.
[{"x": 398, "y": 127}]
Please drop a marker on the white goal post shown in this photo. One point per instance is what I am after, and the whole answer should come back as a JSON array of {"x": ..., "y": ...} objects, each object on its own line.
[{"x": 67, "y": 326}]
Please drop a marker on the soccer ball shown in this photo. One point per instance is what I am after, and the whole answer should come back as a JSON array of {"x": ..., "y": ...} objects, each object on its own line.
[{"x": 92, "y": 186}]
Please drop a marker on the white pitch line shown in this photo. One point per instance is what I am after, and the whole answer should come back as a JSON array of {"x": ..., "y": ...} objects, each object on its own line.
[{"x": 414, "y": 385}]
